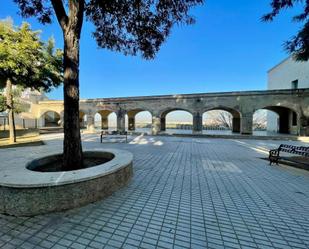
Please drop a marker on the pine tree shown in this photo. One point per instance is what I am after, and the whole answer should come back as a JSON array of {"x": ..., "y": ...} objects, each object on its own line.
[{"x": 298, "y": 46}]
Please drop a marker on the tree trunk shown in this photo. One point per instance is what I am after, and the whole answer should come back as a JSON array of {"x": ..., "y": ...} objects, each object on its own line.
[
  {"x": 72, "y": 147},
  {"x": 9, "y": 103},
  {"x": 71, "y": 25}
]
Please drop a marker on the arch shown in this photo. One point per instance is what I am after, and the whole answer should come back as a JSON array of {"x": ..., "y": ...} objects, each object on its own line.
[
  {"x": 259, "y": 121},
  {"x": 112, "y": 121},
  {"x": 104, "y": 112},
  {"x": 50, "y": 119},
  {"x": 176, "y": 119},
  {"x": 97, "y": 121},
  {"x": 223, "y": 118},
  {"x": 47, "y": 110},
  {"x": 217, "y": 122},
  {"x": 139, "y": 120},
  {"x": 235, "y": 113},
  {"x": 286, "y": 119},
  {"x": 276, "y": 106},
  {"x": 105, "y": 119},
  {"x": 166, "y": 111},
  {"x": 135, "y": 111}
]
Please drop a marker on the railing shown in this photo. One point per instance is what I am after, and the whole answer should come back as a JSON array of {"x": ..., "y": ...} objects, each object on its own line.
[{"x": 20, "y": 123}]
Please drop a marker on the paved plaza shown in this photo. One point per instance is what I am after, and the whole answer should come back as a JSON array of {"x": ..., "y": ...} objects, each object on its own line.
[{"x": 185, "y": 193}]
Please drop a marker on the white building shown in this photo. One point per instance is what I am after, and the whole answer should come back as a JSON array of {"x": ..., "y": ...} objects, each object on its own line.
[
  {"x": 24, "y": 119},
  {"x": 288, "y": 74}
]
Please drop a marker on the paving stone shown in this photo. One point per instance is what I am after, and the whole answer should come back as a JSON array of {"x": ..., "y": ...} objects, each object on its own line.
[{"x": 185, "y": 193}]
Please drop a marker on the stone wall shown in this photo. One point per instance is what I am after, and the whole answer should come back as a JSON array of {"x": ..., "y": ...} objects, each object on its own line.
[
  {"x": 281, "y": 77},
  {"x": 241, "y": 105}
]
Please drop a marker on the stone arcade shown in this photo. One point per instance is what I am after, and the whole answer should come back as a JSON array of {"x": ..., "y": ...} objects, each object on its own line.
[{"x": 292, "y": 106}]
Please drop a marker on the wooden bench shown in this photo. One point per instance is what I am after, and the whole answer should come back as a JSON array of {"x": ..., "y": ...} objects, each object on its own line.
[
  {"x": 274, "y": 155},
  {"x": 116, "y": 134}
]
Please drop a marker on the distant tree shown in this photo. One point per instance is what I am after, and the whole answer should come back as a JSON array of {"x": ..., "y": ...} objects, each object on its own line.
[
  {"x": 219, "y": 118},
  {"x": 25, "y": 61},
  {"x": 225, "y": 119},
  {"x": 298, "y": 46},
  {"x": 131, "y": 27},
  {"x": 260, "y": 120}
]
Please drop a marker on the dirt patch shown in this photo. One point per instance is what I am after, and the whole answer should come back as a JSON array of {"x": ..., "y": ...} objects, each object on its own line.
[{"x": 56, "y": 165}]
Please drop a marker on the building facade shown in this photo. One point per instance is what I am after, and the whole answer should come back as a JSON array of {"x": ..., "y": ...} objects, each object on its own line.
[
  {"x": 288, "y": 74},
  {"x": 24, "y": 119}
]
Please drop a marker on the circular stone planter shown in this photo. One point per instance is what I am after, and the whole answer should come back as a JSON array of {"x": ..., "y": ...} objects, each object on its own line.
[{"x": 27, "y": 193}]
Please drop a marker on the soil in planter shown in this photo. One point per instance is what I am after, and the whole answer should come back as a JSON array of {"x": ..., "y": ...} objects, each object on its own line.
[{"x": 55, "y": 166}]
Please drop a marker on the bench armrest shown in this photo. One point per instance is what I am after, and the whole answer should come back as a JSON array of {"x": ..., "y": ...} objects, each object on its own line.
[
  {"x": 274, "y": 152},
  {"x": 274, "y": 156}
]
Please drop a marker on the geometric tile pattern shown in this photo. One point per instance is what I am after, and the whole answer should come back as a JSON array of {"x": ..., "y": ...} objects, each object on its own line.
[{"x": 185, "y": 193}]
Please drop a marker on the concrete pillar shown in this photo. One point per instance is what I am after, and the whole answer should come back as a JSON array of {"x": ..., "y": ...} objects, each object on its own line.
[
  {"x": 90, "y": 123},
  {"x": 121, "y": 125},
  {"x": 197, "y": 123},
  {"x": 246, "y": 123},
  {"x": 104, "y": 122},
  {"x": 236, "y": 125},
  {"x": 156, "y": 125},
  {"x": 131, "y": 123},
  {"x": 163, "y": 124}
]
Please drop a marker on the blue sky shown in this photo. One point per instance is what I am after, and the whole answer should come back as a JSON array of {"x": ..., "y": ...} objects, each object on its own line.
[{"x": 228, "y": 49}]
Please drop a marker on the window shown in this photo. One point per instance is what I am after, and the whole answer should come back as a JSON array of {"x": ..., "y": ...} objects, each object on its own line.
[{"x": 295, "y": 84}]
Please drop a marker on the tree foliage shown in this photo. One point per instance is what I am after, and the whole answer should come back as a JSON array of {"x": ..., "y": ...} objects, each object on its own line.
[
  {"x": 26, "y": 60},
  {"x": 137, "y": 27},
  {"x": 19, "y": 105},
  {"x": 130, "y": 27},
  {"x": 299, "y": 44}
]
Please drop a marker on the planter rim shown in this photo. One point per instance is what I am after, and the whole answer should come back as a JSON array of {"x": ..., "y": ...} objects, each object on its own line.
[{"x": 25, "y": 178}]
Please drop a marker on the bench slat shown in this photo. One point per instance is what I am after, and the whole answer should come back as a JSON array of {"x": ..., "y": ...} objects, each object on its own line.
[{"x": 274, "y": 155}]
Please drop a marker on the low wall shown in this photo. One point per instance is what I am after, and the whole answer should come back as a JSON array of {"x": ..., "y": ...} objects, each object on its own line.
[
  {"x": 20, "y": 133},
  {"x": 29, "y": 193}
]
